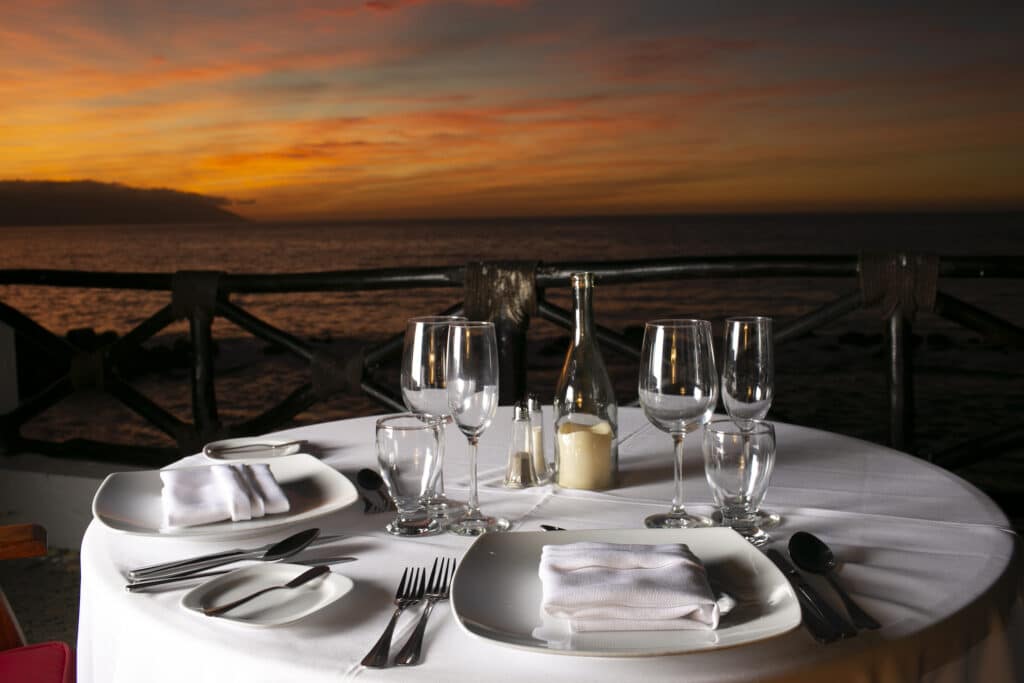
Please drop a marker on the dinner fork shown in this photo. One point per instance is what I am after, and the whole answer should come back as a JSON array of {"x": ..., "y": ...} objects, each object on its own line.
[
  {"x": 440, "y": 585},
  {"x": 408, "y": 594}
]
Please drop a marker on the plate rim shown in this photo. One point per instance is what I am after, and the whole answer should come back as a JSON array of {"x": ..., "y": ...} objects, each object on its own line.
[
  {"x": 207, "y": 532},
  {"x": 347, "y": 585},
  {"x": 790, "y": 598}
]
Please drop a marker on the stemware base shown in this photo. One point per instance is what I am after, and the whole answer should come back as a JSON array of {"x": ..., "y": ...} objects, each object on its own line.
[
  {"x": 675, "y": 520},
  {"x": 764, "y": 519},
  {"x": 444, "y": 508},
  {"x": 477, "y": 525},
  {"x": 417, "y": 526}
]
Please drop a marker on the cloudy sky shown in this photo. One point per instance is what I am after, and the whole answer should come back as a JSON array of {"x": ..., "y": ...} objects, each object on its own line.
[{"x": 428, "y": 108}]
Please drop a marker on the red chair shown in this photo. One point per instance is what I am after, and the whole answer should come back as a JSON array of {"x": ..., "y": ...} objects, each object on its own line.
[{"x": 21, "y": 663}]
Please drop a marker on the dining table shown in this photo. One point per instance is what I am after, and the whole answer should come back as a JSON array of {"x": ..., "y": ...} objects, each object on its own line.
[{"x": 933, "y": 559}]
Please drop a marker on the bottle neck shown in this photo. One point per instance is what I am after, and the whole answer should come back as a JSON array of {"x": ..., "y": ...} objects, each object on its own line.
[{"x": 583, "y": 313}]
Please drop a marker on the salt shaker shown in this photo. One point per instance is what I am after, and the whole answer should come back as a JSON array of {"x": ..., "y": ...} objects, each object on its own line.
[
  {"x": 520, "y": 472},
  {"x": 539, "y": 437}
]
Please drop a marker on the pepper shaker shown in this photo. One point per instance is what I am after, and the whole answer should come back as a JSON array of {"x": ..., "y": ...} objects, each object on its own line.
[{"x": 520, "y": 473}]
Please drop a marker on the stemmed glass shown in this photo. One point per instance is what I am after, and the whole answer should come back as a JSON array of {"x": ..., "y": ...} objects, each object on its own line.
[
  {"x": 678, "y": 391},
  {"x": 472, "y": 383},
  {"x": 424, "y": 392},
  {"x": 748, "y": 378}
]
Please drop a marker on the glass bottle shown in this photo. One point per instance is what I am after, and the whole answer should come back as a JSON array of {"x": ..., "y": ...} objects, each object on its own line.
[
  {"x": 540, "y": 458},
  {"x": 586, "y": 414},
  {"x": 519, "y": 472}
]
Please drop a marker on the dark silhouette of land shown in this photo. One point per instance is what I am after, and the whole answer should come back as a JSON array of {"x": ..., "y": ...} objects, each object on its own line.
[{"x": 87, "y": 202}]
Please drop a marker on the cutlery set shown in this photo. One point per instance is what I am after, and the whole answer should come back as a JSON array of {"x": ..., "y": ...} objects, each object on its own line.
[
  {"x": 824, "y": 623},
  {"x": 413, "y": 588},
  {"x": 190, "y": 569}
]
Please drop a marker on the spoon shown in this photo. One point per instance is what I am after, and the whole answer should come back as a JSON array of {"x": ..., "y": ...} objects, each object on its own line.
[
  {"x": 280, "y": 550},
  {"x": 371, "y": 481},
  {"x": 304, "y": 577},
  {"x": 812, "y": 554}
]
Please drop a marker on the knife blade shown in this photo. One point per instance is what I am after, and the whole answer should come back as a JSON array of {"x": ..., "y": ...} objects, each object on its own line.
[{"x": 824, "y": 623}]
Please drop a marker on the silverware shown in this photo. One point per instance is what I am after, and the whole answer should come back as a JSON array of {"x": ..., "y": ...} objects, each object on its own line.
[
  {"x": 209, "y": 449},
  {"x": 234, "y": 555},
  {"x": 812, "y": 555},
  {"x": 146, "y": 584},
  {"x": 438, "y": 588},
  {"x": 823, "y": 622},
  {"x": 373, "y": 483},
  {"x": 549, "y": 527},
  {"x": 406, "y": 596},
  {"x": 278, "y": 551},
  {"x": 303, "y": 578}
]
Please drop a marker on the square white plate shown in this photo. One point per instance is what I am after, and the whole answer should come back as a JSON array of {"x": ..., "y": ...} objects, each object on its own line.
[
  {"x": 130, "y": 501},
  {"x": 270, "y": 609},
  {"x": 496, "y": 593}
]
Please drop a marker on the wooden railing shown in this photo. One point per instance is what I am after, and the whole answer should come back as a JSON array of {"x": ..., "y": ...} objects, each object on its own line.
[{"x": 509, "y": 293}]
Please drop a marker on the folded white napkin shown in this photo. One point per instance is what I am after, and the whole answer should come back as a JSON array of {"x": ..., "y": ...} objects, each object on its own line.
[
  {"x": 620, "y": 587},
  {"x": 201, "y": 495}
]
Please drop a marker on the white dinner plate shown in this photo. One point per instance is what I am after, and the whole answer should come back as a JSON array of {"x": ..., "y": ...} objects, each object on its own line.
[
  {"x": 270, "y": 609},
  {"x": 250, "y": 448},
  {"x": 130, "y": 501},
  {"x": 496, "y": 593}
]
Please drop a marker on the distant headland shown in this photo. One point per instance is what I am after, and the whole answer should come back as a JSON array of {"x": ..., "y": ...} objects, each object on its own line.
[{"x": 88, "y": 202}]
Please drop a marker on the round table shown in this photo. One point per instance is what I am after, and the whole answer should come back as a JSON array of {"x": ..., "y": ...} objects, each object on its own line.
[{"x": 927, "y": 554}]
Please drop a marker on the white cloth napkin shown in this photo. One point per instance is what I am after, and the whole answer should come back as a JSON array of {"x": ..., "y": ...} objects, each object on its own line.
[
  {"x": 620, "y": 587},
  {"x": 201, "y": 495}
]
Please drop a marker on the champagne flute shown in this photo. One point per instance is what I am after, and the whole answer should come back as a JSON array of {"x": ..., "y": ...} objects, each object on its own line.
[
  {"x": 424, "y": 392},
  {"x": 472, "y": 384},
  {"x": 678, "y": 391},
  {"x": 748, "y": 379}
]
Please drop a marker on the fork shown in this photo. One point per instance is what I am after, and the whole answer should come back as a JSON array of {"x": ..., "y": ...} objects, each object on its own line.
[
  {"x": 406, "y": 596},
  {"x": 440, "y": 585}
]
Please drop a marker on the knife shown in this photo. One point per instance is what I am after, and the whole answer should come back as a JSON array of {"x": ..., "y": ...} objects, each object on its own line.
[
  {"x": 824, "y": 623},
  {"x": 146, "y": 584}
]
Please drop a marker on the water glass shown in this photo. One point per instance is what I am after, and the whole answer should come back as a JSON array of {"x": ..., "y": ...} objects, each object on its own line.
[
  {"x": 407, "y": 452},
  {"x": 738, "y": 462}
]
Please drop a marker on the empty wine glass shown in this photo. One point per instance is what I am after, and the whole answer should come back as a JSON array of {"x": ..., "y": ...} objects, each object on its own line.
[
  {"x": 678, "y": 391},
  {"x": 748, "y": 378},
  {"x": 408, "y": 457},
  {"x": 472, "y": 383},
  {"x": 424, "y": 393}
]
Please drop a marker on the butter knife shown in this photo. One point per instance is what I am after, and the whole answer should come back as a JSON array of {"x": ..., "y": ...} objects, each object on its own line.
[{"x": 824, "y": 623}]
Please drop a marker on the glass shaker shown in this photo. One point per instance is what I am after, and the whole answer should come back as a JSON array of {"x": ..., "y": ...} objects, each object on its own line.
[
  {"x": 586, "y": 413},
  {"x": 540, "y": 461},
  {"x": 519, "y": 472}
]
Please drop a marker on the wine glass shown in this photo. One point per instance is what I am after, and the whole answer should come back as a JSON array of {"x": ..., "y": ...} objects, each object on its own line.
[
  {"x": 678, "y": 391},
  {"x": 407, "y": 452},
  {"x": 472, "y": 383},
  {"x": 748, "y": 378},
  {"x": 424, "y": 392}
]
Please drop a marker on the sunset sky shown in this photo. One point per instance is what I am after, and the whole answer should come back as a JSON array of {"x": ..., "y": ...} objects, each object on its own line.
[{"x": 431, "y": 108}]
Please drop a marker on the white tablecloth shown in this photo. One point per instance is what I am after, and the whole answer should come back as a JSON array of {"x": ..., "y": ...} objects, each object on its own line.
[{"x": 928, "y": 555}]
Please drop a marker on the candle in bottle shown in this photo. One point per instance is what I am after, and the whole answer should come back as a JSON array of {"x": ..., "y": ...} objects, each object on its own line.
[{"x": 585, "y": 455}]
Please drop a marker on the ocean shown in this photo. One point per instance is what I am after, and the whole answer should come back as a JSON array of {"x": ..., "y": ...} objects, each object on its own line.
[{"x": 833, "y": 379}]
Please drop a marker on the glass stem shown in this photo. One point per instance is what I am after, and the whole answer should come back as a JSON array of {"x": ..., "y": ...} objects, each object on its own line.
[
  {"x": 677, "y": 468},
  {"x": 474, "y": 501},
  {"x": 438, "y": 487}
]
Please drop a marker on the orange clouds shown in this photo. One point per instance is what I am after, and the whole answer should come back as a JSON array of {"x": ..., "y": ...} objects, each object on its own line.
[{"x": 434, "y": 108}]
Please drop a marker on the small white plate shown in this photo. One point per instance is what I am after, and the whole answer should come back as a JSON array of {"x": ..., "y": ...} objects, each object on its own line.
[
  {"x": 270, "y": 609},
  {"x": 130, "y": 501},
  {"x": 496, "y": 593},
  {"x": 249, "y": 448}
]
